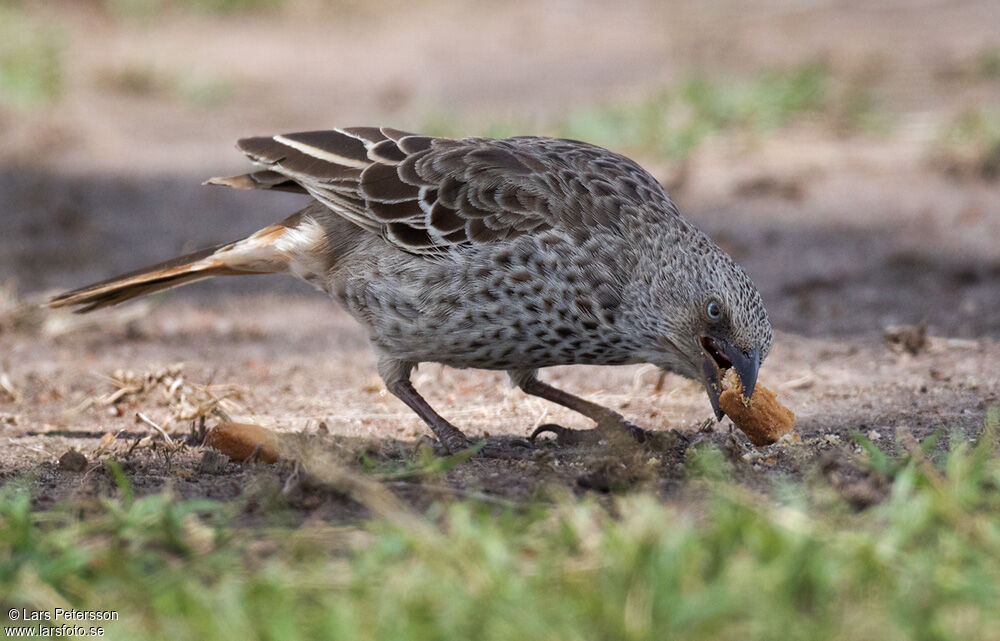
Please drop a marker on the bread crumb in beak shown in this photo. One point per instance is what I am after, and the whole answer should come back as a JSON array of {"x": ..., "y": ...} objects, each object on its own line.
[{"x": 762, "y": 418}]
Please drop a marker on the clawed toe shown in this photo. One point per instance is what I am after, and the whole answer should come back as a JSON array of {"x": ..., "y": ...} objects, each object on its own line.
[
  {"x": 567, "y": 436},
  {"x": 522, "y": 443},
  {"x": 512, "y": 448},
  {"x": 427, "y": 444},
  {"x": 552, "y": 428},
  {"x": 636, "y": 432},
  {"x": 492, "y": 447}
]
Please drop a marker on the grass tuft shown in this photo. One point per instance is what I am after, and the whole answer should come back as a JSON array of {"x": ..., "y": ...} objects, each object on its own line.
[
  {"x": 988, "y": 63},
  {"x": 144, "y": 8},
  {"x": 969, "y": 146},
  {"x": 670, "y": 123},
  {"x": 146, "y": 81},
  {"x": 31, "y": 66}
]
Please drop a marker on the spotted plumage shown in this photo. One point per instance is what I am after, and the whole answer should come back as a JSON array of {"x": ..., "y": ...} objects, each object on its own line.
[{"x": 511, "y": 254}]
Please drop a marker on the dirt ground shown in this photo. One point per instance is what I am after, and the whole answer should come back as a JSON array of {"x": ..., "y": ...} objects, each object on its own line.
[{"x": 845, "y": 236}]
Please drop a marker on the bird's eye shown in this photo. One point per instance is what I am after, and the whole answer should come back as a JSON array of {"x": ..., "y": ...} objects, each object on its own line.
[{"x": 714, "y": 310}]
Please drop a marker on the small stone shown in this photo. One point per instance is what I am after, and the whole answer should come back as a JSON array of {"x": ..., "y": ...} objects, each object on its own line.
[
  {"x": 911, "y": 339},
  {"x": 73, "y": 461},
  {"x": 873, "y": 435},
  {"x": 792, "y": 438}
]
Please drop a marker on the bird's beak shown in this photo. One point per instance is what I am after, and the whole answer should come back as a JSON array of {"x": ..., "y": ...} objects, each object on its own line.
[{"x": 720, "y": 355}]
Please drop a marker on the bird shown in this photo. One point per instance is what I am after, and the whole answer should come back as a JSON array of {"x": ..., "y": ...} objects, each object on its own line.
[{"x": 512, "y": 254}]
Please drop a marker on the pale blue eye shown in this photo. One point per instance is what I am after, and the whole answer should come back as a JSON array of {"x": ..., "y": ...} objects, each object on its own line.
[{"x": 714, "y": 310}]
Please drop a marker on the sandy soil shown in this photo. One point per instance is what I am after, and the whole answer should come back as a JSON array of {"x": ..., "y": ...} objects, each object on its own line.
[{"x": 871, "y": 235}]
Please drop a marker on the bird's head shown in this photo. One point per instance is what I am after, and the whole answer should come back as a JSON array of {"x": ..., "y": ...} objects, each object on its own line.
[{"x": 714, "y": 318}]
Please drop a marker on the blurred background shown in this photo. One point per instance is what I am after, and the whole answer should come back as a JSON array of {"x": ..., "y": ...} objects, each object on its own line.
[{"x": 847, "y": 152}]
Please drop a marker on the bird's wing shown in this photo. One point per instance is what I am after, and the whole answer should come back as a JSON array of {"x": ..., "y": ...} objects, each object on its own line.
[{"x": 428, "y": 195}]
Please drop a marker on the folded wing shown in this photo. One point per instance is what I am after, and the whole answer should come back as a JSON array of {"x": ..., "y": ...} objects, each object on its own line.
[{"x": 423, "y": 194}]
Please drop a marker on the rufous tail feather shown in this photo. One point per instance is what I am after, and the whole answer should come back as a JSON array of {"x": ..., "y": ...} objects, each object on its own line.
[{"x": 260, "y": 253}]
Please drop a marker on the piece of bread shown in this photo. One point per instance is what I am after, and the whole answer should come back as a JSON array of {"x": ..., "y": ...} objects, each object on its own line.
[
  {"x": 762, "y": 418},
  {"x": 239, "y": 440}
]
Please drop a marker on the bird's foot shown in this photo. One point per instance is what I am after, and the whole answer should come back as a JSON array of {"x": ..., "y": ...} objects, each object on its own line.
[
  {"x": 428, "y": 446},
  {"x": 640, "y": 435},
  {"x": 510, "y": 447},
  {"x": 566, "y": 436},
  {"x": 600, "y": 435}
]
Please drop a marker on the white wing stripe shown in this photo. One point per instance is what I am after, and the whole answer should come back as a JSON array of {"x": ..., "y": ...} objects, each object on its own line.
[
  {"x": 364, "y": 141},
  {"x": 309, "y": 150}
]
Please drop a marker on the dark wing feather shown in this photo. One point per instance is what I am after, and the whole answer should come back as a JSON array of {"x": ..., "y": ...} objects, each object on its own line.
[
  {"x": 427, "y": 195},
  {"x": 265, "y": 179}
]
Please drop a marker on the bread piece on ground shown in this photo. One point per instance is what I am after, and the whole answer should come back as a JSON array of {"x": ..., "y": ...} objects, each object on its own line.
[
  {"x": 239, "y": 440},
  {"x": 762, "y": 418}
]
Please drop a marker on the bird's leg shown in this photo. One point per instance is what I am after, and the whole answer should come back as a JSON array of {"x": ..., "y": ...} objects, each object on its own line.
[
  {"x": 396, "y": 375},
  {"x": 450, "y": 436},
  {"x": 609, "y": 422}
]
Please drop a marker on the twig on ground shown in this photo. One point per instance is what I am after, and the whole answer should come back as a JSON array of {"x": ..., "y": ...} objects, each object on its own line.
[
  {"x": 145, "y": 419},
  {"x": 7, "y": 386}
]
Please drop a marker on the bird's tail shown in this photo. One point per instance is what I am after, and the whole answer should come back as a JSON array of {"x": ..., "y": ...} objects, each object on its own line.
[{"x": 269, "y": 250}]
